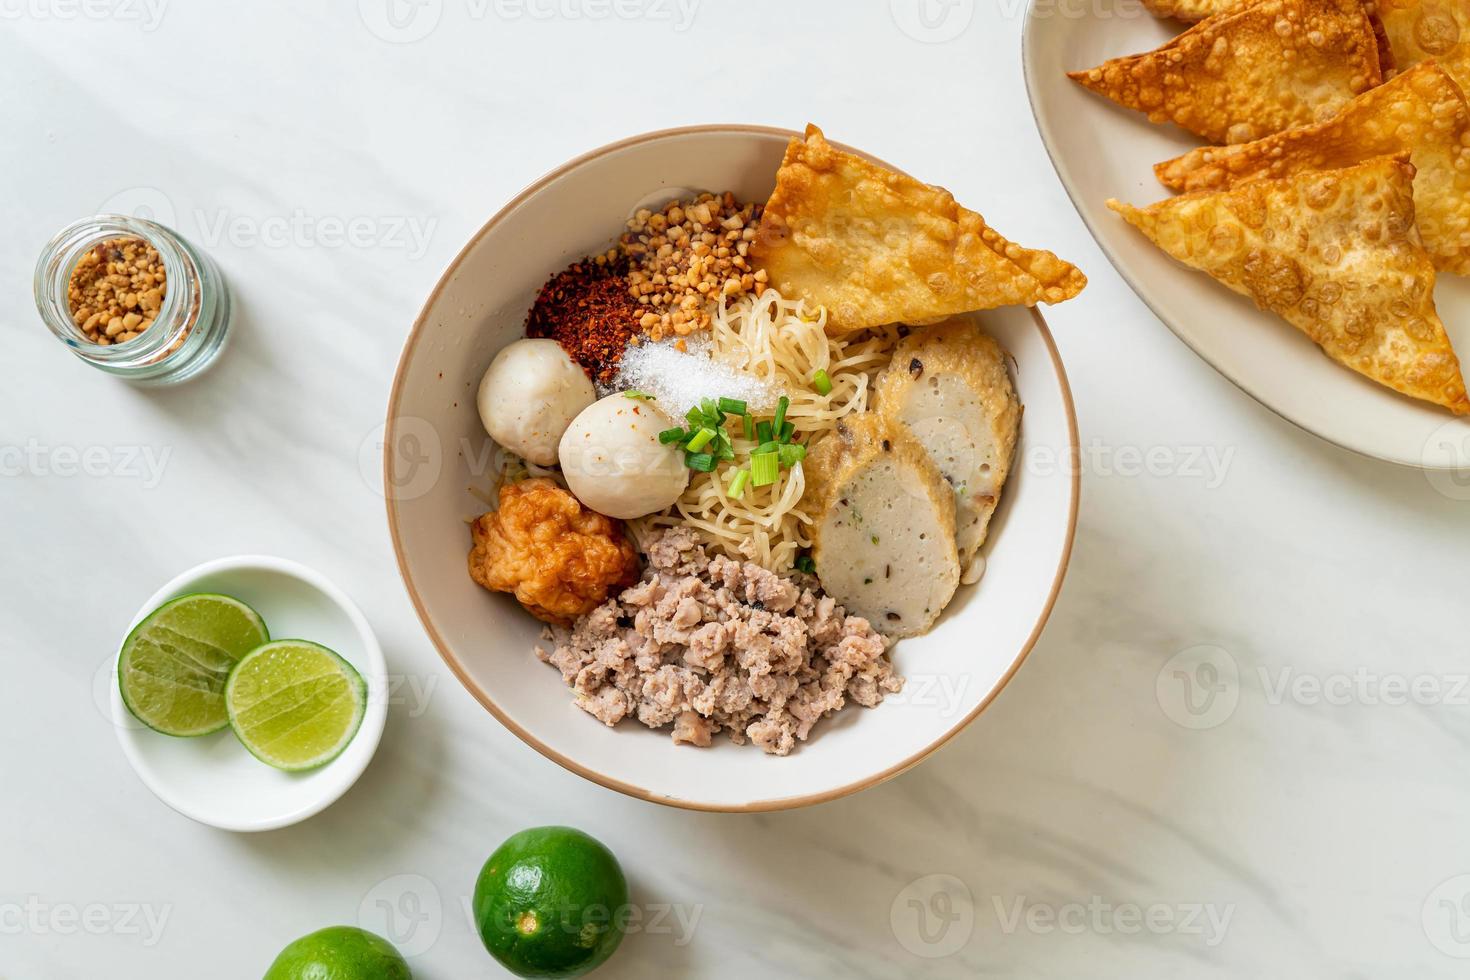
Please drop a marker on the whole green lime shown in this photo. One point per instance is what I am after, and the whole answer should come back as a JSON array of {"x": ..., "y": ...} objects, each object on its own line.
[
  {"x": 339, "y": 953},
  {"x": 551, "y": 902}
]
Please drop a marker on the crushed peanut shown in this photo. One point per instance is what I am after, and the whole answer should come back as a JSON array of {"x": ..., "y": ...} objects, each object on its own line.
[
  {"x": 687, "y": 255},
  {"x": 116, "y": 290}
]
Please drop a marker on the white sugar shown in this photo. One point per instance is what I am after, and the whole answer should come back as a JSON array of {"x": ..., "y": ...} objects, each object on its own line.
[{"x": 679, "y": 380}]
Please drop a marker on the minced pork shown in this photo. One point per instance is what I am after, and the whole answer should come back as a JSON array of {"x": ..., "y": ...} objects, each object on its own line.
[{"x": 709, "y": 644}]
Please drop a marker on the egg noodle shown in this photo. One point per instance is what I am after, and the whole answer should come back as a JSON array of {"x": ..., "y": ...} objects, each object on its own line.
[{"x": 782, "y": 343}]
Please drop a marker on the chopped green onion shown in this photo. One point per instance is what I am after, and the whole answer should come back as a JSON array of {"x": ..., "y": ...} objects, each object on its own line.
[
  {"x": 723, "y": 447},
  {"x": 732, "y": 406},
  {"x": 642, "y": 396},
  {"x": 711, "y": 409},
  {"x": 791, "y": 454},
  {"x": 701, "y": 439},
  {"x": 671, "y": 435},
  {"x": 822, "y": 381},
  {"x": 787, "y": 430},
  {"x": 763, "y": 431},
  {"x": 781, "y": 407},
  {"x": 804, "y": 563},
  {"x": 766, "y": 447},
  {"x": 748, "y": 424},
  {"x": 737, "y": 483},
  {"x": 700, "y": 462},
  {"x": 765, "y": 469},
  {"x": 695, "y": 416}
]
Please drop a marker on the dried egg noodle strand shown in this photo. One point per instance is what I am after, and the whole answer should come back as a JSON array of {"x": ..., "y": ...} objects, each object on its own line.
[{"x": 776, "y": 340}]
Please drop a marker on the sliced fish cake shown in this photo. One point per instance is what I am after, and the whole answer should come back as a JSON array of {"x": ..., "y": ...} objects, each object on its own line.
[
  {"x": 884, "y": 541},
  {"x": 948, "y": 386}
]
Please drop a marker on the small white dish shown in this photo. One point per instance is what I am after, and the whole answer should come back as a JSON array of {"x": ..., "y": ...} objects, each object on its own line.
[
  {"x": 213, "y": 779},
  {"x": 1101, "y": 150}
]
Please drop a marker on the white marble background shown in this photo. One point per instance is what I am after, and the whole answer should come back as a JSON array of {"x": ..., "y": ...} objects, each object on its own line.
[{"x": 1295, "y": 833}]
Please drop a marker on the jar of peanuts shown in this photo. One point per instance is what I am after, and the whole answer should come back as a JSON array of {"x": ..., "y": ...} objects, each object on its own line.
[{"x": 132, "y": 298}]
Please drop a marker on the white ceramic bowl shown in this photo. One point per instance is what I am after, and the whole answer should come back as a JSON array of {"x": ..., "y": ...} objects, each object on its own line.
[
  {"x": 436, "y": 451},
  {"x": 1101, "y": 150},
  {"x": 213, "y": 779}
]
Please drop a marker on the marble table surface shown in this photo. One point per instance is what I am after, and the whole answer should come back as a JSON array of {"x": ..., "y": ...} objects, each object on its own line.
[{"x": 1234, "y": 752}]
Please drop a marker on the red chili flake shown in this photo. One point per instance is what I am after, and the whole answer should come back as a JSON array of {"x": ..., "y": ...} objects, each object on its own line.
[{"x": 588, "y": 310}]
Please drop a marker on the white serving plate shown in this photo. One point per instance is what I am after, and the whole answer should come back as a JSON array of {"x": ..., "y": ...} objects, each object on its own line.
[
  {"x": 1101, "y": 150},
  {"x": 436, "y": 450},
  {"x": 213, "y": 779}
]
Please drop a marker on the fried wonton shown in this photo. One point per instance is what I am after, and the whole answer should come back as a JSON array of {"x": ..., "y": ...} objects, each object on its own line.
[
  {"x": 1336, "y": 253},
  {"x": 874, "y": 246},
  {"x": 1421, "y": 111},
  {"x": 1253, "y": 71},
  {"x": 1421, "y": 30}
]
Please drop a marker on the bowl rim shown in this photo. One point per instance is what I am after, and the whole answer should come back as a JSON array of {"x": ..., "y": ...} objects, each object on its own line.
[
  {"x": 571, "y": 765},
  {"x": 374, "y": 670}
]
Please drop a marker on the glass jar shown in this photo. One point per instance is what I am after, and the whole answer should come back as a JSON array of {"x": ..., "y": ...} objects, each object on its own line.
[{"x": 192, "y": 320}]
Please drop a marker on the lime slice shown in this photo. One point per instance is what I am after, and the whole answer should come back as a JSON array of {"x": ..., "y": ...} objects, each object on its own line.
[
  {"x": 174, "y": 664},
  {"x": 295, "y": 704}
]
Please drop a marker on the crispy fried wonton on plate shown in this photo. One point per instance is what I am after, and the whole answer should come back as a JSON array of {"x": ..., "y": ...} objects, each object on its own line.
[
  {"x": 1421, "y": 111},
  {"x": 874, "y": 246},
  {"x": 1253, "y": 71},
  {"x": 1335, "y": 253},
  {"x": 1417, "y": 30},
  {"x": 1421, "y": 30}
]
